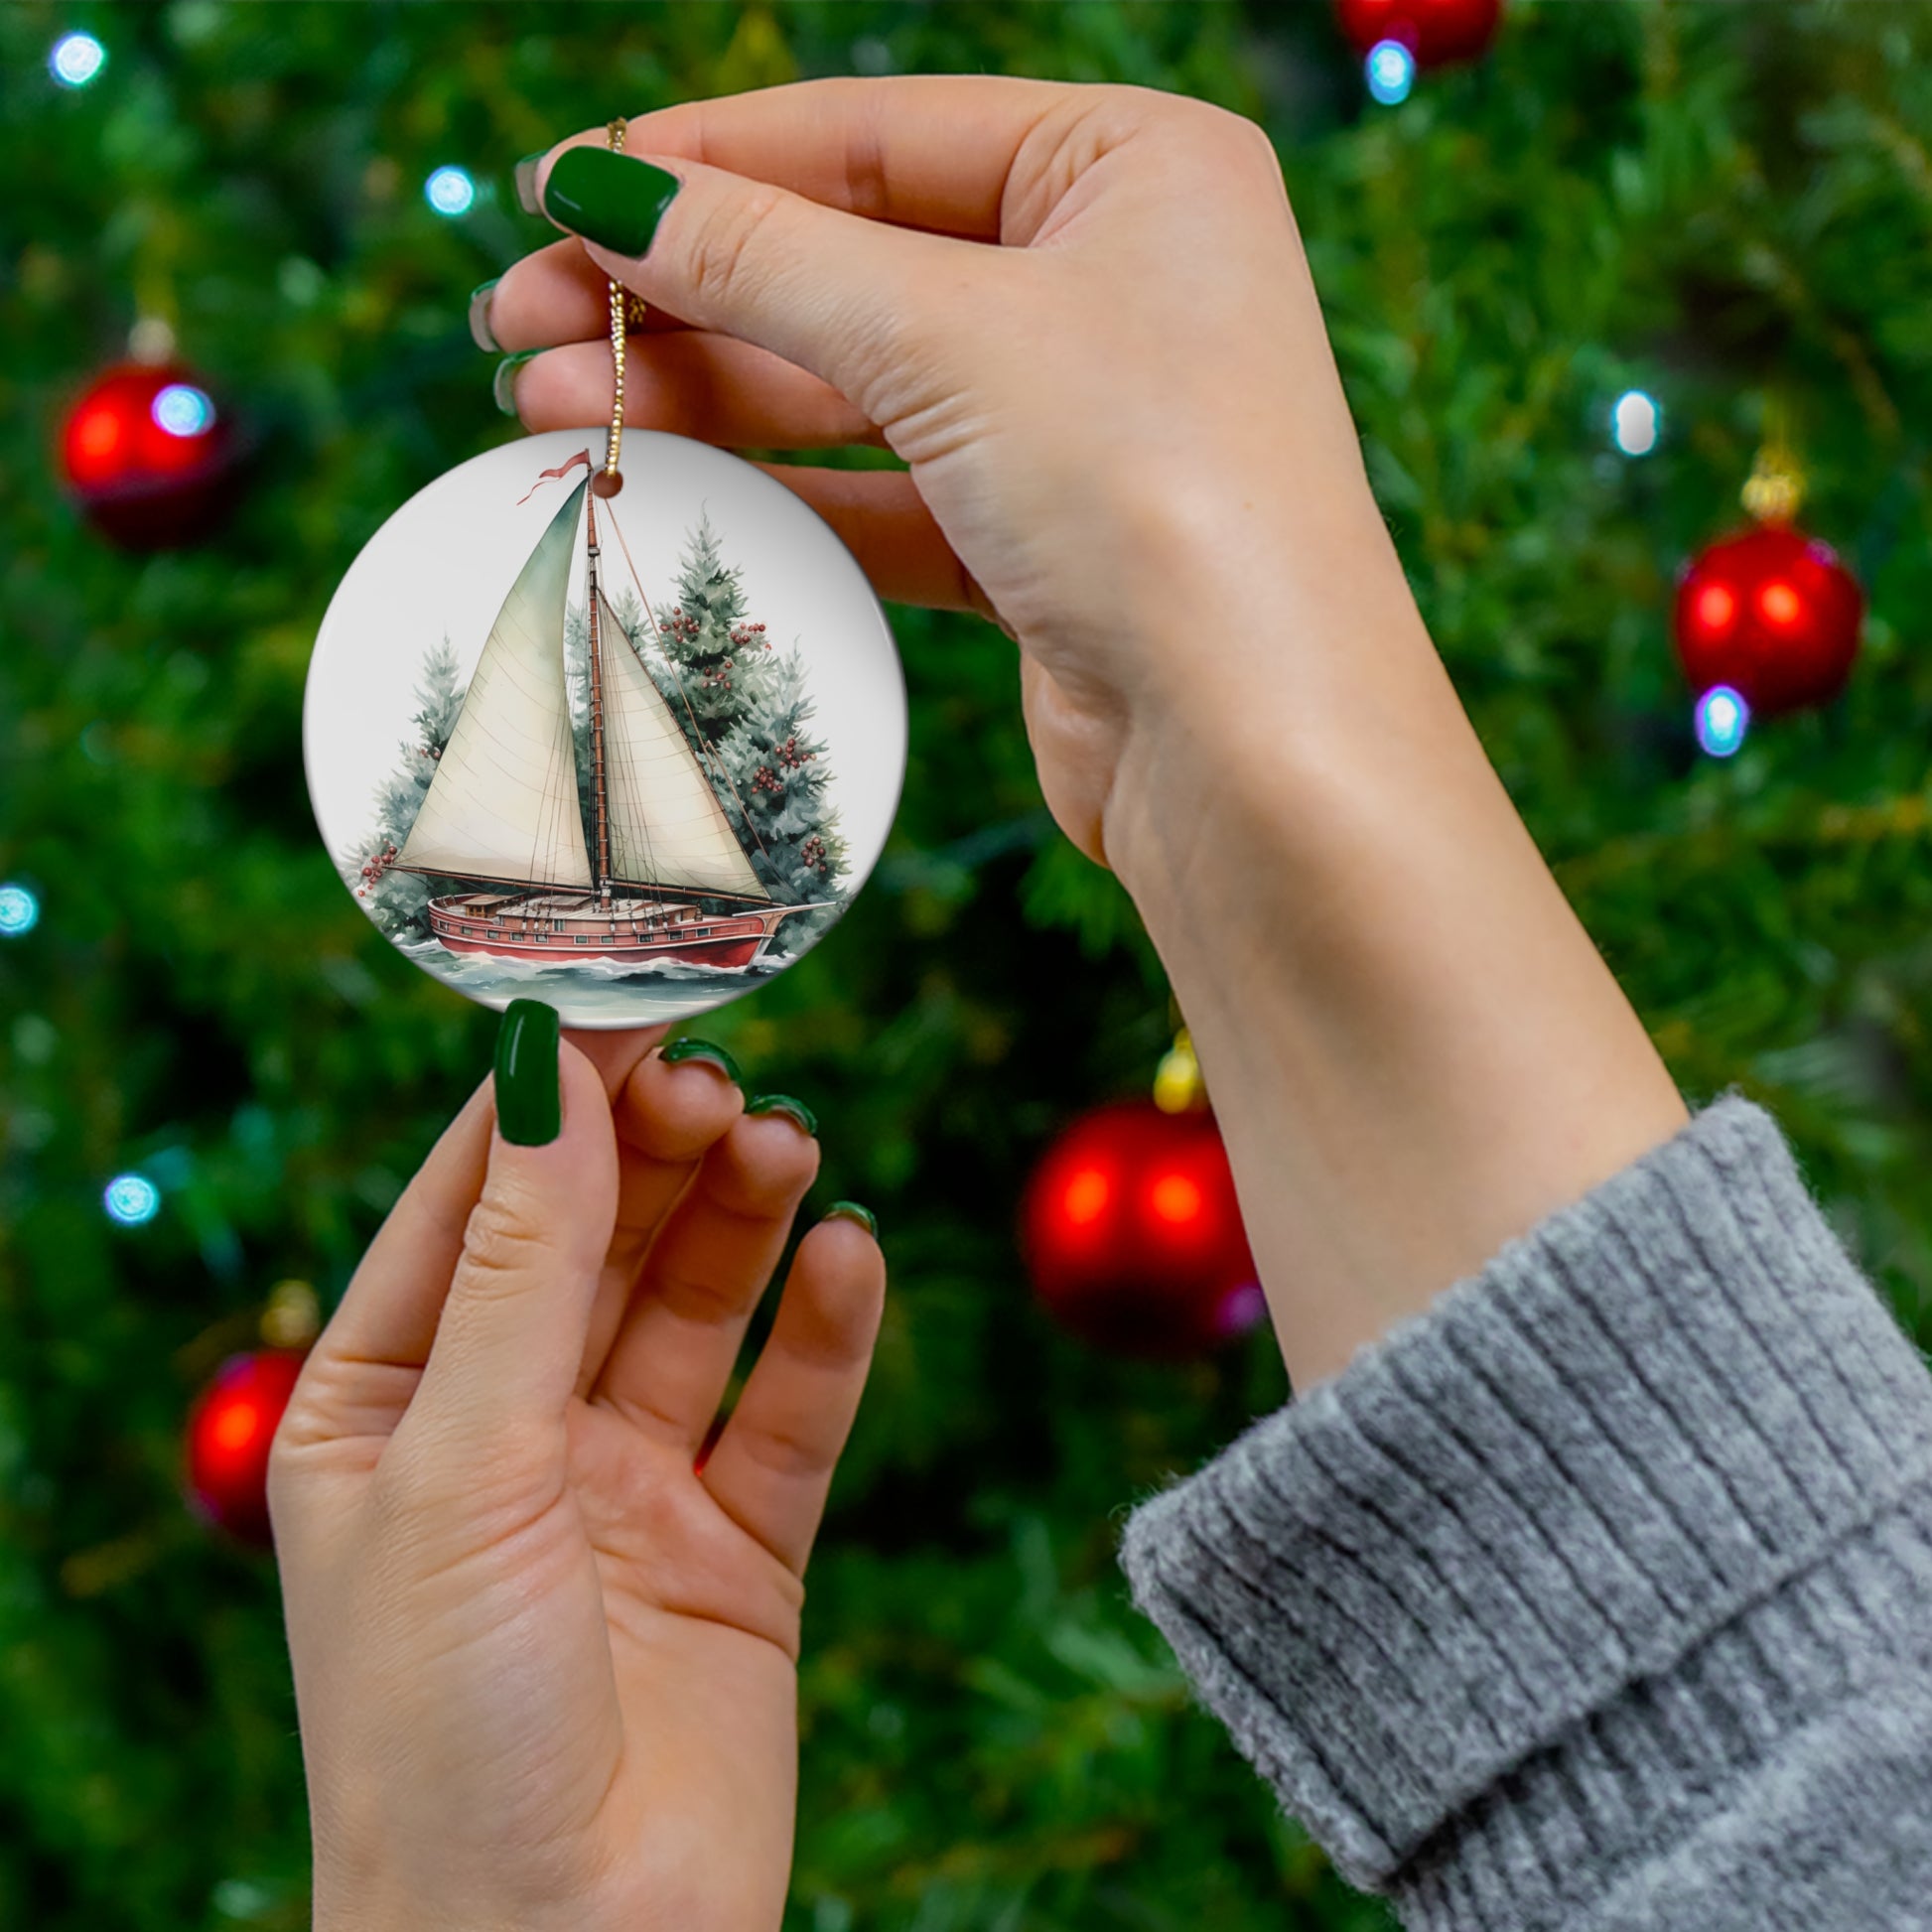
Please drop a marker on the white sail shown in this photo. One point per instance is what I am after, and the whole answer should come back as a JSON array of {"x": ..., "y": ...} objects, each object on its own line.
[
  {"x": 667, "y": 827},
  {"x": 503, "y": 804}
]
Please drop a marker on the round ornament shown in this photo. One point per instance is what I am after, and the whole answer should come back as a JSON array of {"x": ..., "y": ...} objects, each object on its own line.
[
  {"x": 1773, "y": 614},
  {"x": 1435, "y": 32},
  {"x": 230, "y": 1432},
  {"x": 149, "y": 456},
  {"x": 629, "y": 754},
  {"x": 1133, "y": 1235}
]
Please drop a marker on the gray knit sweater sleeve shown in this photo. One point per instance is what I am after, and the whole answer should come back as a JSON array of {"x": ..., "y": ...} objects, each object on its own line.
[{"x": 1600, "y": 1595}]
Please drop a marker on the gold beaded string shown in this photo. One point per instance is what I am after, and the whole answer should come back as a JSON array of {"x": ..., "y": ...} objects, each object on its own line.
[{"x": 623, "y": 310}]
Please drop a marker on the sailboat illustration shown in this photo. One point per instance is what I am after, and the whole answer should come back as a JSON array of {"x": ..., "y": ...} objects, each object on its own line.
[{"x": 504, "y": 810}]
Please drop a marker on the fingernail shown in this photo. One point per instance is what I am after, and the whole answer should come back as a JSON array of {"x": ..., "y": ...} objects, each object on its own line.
[
  {"x": 530, "y": 1096},
  {"x": 607, "y": 199},
  {"x": 526, "y": 182},
  {"x": 782, "y": 1103},
  {"x": 849, "y": 1210},
  {"x": 502, "y": 385},
  {"x": 680, "y": 1050},
  {"x": 479, "y": 332}
]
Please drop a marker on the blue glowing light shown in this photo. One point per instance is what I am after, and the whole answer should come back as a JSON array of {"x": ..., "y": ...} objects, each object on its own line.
[
  {"x": 75, "y": 59},
  {"x": 132, "y": 1200},
  {"x": 450, "y": 190},
  {"x": 1636, "y": 422},
  {"x": 1723, "y": 718},
  {"x": 183, "y": 410},
  {"x": 20, "y": 912},
  {"x": 1391, "y": 71}
]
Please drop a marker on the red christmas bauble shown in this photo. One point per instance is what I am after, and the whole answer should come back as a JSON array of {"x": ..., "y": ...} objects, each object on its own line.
[
  {"x": 1772, "y": 614},
  {"x": 229, "y": 1431},
  {"x": 149, "y": 456},
  {"x": 1133, "y": 1235},
  {"x": 1435, "y": 32}
]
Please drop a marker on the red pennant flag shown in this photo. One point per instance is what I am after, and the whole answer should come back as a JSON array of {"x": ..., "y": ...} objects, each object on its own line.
[{"x": 562, "y": 469}]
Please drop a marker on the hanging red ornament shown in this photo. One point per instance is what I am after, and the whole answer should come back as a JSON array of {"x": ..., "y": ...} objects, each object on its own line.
[
  {"x": 229, "y": 1431},
  {"x": 1435, "y": 32},
  {"x": 1133, "y": 1235},
  {"x": 234, "y": 1421},
  {"x": 149, "y": 456},
  {"x": 1771, "y": 612}
]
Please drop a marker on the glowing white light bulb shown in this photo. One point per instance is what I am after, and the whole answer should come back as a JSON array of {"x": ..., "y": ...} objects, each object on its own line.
[
  {"x": 20, "y": 912},
  {"x": 132, "y": 1200},
  {"x": 183, "y": 410},
  {"x": 1722, "y": 719},
  {"x": 76, "y": 59},
  {"x": 1391, "y": 71},
  {"x": 449, "y": 192},
  {"x": 1636, "y": 422}
]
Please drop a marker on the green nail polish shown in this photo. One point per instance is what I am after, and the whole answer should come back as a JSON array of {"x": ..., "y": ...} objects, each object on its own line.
[
  {"x": 525, "y": 176},
  {"x": 849, "y": 1210},
  {"x": 680, "y": 1050},
  {"x": 479, "y": 332},
  {"x": 530, "y": 1096},
  {"x": 502, "y": 385},
  {"x": 607, "y": 199},
  {"x": 782, "y": 1103}
]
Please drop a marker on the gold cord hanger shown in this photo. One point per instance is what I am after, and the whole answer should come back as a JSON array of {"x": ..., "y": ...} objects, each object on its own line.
[{"x": 626, "y": 310}]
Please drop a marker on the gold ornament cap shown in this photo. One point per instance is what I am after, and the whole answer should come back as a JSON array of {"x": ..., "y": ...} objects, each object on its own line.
[{"x": 293, "y": 1317}]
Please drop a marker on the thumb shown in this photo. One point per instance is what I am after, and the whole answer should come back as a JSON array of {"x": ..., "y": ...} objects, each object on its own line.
[
  {"x": 838, "y": 294},
  {"x": 511, "y": 1335}
]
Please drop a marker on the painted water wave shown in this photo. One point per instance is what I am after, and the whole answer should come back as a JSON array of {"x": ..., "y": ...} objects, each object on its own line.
[{"x": 596, "y": 992}]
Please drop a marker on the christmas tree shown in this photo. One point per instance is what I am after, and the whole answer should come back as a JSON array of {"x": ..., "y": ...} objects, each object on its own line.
[
  {"x": 1710, "y": 204},
  {"x": 713, "y": 651},
  {"x": 398, "y": 900}
]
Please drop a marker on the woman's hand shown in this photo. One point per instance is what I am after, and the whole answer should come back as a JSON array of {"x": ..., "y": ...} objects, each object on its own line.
[
  {"x": 1083, "y": 318},
  {"x": 1110, "y": 415},
  {"x": 545, "y": 1668}
]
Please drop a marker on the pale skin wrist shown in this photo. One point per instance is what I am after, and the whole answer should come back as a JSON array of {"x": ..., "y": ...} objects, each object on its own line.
[{"x": 1414, "y": 1049}]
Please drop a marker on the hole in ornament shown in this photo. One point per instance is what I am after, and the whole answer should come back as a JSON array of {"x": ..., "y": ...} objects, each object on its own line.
[{"x": 606, "y": 483}]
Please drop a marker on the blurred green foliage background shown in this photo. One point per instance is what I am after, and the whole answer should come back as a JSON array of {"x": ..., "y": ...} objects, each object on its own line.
[{"x": 1718, "y": 203}]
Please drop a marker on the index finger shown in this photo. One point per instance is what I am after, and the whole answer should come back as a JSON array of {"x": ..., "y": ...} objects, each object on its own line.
[{"x": 918, "y": 151}]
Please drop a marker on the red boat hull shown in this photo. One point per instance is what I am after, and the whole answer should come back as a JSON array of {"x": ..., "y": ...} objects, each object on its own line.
[
  {"x": 697, "y": 952},
  {"x": 554, "y": 930}
]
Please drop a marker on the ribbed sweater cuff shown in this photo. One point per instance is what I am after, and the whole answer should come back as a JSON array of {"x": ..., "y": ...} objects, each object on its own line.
[{"x": 1550, "y": 1502}]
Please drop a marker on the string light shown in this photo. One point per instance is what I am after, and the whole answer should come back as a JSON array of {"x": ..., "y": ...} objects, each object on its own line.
[
  {"x": 1391, "y": 71},
  {"x": 449, "y": 192},
  {"x": 20, "y": 912},
  {"x": 131, "y": 1200},
  {"x": 1723, "y": 718},
  {"x": 183, "y": 410},
  {"x": 76, "y": 59},
  {"x": 1636, "y": 422}
]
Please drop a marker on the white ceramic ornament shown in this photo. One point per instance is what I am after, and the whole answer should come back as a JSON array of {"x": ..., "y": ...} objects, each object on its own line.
[{"x": 630, "y": 755}]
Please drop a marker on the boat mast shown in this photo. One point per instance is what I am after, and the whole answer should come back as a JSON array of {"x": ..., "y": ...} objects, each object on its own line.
[{"x": 597, "y": 786}]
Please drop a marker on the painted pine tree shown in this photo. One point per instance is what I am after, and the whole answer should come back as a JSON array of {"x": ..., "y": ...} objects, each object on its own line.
[
  {"x": 777, "y": 769},
  {"x": 745, "y": 711},
  {"x": 716, "y": 650},
  {"x": 397, "y": 901}
]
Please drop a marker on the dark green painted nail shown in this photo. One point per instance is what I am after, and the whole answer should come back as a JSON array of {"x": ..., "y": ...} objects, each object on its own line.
[
  {"x": 782, "y": 1103},
  {"x": 480, "y": 316},
  {"x": 607, "y": 199},
  {"x": 526, "y": 182},
  {"x": 502, "y": 385},
  {"x": 680, "y": 1050},
  {"x": 529, "y": 1097},
  {"x": 849, "y": 1210}
]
